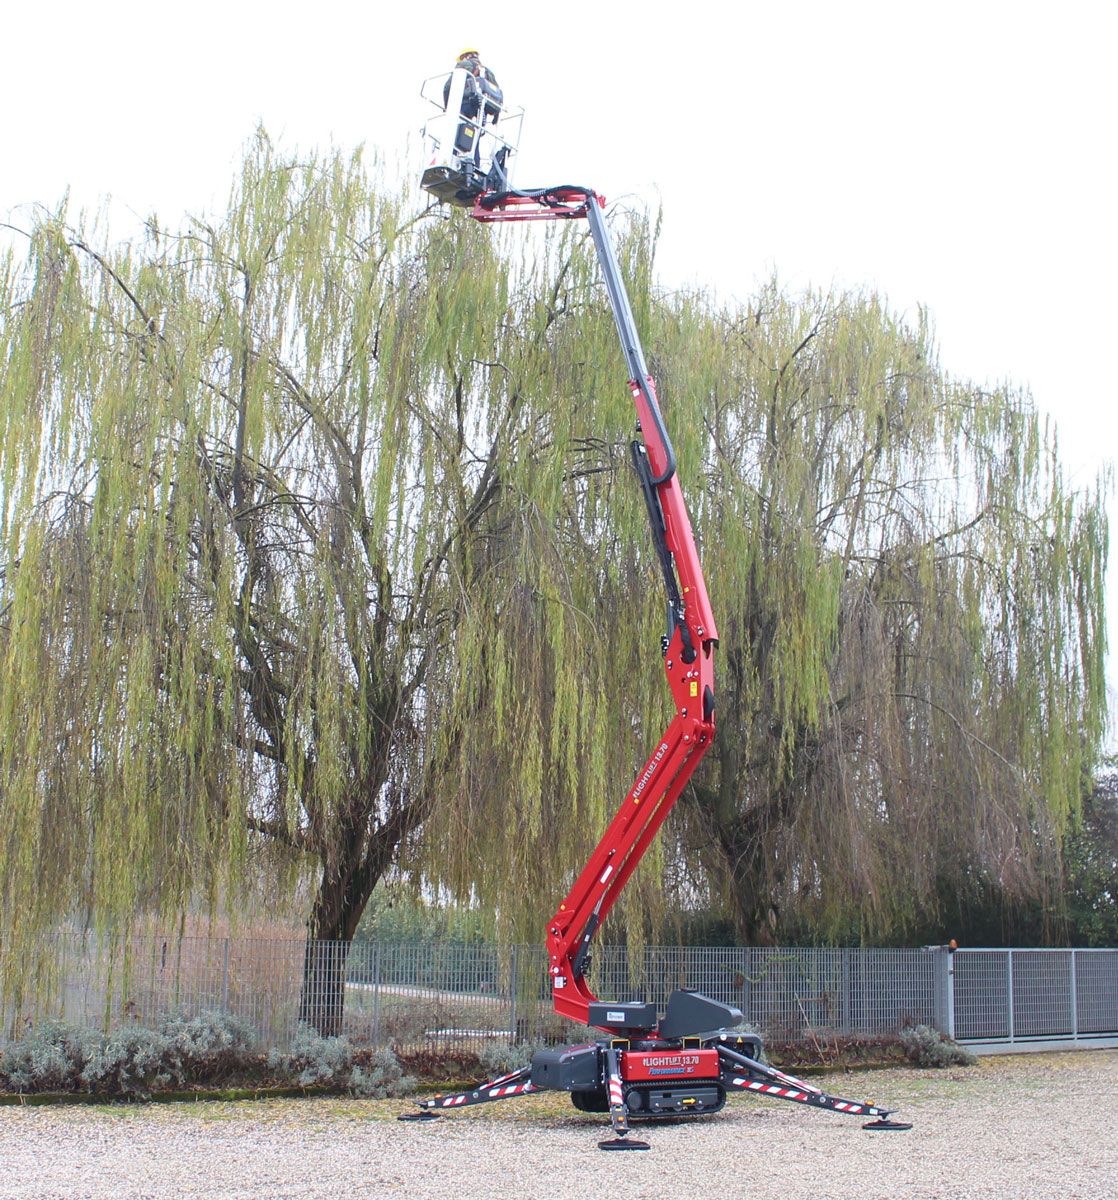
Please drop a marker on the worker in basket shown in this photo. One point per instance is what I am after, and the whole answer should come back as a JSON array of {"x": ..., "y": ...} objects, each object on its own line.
[
  {"x": 480, "y": 105},
  {"x": 481, "y": 100},
  {"x": 472, "y": 159}
]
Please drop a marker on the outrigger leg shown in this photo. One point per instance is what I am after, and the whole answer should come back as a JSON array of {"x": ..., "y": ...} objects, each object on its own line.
[
  {"x": 749, "y": 1075},
  {"x": 504, "y": 1087},
  {"x": 618, "y": 1111}
]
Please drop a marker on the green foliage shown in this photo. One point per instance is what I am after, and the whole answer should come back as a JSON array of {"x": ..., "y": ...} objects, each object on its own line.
[
  {"x": 249, "y": 473},
  {"x": 319, "y": 553},
  {"x": 909, "y": 604},
  {"x": 1091, "y": 865},
  {"x": 927, "y": 1047},
  {"x": 317, "y": 1061},
  {"x": 394, "y": 915},
  {"x": 48, "y": 1058}
]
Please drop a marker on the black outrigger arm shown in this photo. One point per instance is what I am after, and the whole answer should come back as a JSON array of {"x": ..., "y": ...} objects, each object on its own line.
[{"x": 747, "y": 1074}]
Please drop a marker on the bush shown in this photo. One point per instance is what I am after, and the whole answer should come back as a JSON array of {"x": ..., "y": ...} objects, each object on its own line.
[
  {"x": 333, "y": 1062},
  {"x": 378, "y": 1074},
  {"x": 927, "y": 1047},
  {"x": 315, "y": 1060},
  {"x": 499, "y": 1058},
  {"x": 49, "y": 1058},
  {"x": 131, "y": 1061},
  {"x": 210, "y": 1046}
]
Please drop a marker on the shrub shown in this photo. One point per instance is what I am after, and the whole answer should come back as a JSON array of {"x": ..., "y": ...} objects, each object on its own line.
[
  {"x": 131, "y": 1061},
  {"x": 927, "y": 1047},
  {"x": 210, "y": 1045},
  {"x": 378, "y": 1074},
  {"x": 314, "y": 1059},
  {"x": 134, "y": 1061},
  {"x": 333, "y": 1062},
  {"x": 498, "y": 1058},
  {"x": 49, "y": 1058}
]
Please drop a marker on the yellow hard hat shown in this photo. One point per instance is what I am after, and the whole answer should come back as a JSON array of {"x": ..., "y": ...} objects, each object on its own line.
[{"x": 468, "y": 54}]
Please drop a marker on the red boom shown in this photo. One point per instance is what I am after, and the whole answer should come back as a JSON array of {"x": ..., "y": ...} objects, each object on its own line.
[{"x": 688, "y": 659}]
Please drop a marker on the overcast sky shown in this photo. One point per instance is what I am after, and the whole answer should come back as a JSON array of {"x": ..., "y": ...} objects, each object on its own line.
[{"x": 958, "y": 156}]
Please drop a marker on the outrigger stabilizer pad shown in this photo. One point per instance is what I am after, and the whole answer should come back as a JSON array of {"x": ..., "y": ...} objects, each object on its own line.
[
  {"x": 623, "y": 1143},
  {"x": 423, "y": 1115},
  {"x": 885, "y": 1123}
]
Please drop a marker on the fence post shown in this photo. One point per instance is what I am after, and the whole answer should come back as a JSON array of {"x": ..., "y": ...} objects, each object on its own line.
[
  {"x": 747, "y": 984},
  {"x": 225, "y": 977},
  {"x": 844, "y": 1011},
  {"x": 1009, "y": 992},
  {"x": 1074, "y": 1001},
  {"x": 375, "y": 973},
  {"x": 513, "y": 989},
  {"x": 943, "y": 990}
]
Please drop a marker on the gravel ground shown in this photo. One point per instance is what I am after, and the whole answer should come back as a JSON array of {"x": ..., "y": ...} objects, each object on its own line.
[{"x": 1030, "y": 1126}]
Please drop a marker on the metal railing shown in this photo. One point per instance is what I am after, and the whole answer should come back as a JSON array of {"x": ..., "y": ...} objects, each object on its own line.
[
  {"x": 1018, "y": 997},
  {"x": 443, "y": 996}
]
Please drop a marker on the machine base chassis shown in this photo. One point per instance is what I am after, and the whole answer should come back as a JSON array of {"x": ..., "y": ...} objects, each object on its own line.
[{"x": 611, "y": 1077}]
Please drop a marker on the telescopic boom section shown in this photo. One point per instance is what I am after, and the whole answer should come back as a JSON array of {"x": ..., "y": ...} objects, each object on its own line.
[{"x": 687, "y": 646}]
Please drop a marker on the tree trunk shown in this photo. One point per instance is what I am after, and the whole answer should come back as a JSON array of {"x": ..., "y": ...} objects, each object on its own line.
[
  {"x": 322, "y": 999},
  {"x": 343, "y": 892},
  {"x": 338, "y": 906}
]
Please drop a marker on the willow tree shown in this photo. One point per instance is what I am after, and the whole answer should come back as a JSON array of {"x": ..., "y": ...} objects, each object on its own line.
[
  {"x": 910, "y": 604},
  {"x": 248, "y": 477},
  {"x": 913, "y": 614},
  {"x": 318, "y": 532}
]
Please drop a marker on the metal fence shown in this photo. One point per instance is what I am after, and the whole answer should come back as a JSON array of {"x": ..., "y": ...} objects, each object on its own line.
[
  {"x": 439, "y": 996},
  {"x": 1019, "y": 998}
]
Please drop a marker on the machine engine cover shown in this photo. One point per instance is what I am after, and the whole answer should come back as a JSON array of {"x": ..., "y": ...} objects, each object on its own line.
[
  {"x": 691, "y": 1013},
  {"x": 634, "y": 1016},
  {"x": 568, "y": 1068}
]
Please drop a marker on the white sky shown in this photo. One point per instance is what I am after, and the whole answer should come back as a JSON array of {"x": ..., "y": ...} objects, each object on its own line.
[{"x": 955, "y": 155}]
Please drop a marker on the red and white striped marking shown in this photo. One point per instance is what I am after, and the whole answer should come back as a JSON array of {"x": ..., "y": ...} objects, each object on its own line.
[
  {"x": 451, "y": 1101},
  {"x": 796, "y": 1083},
  {"x": 503, "y": 1078},
  {"x": 770, "y": 1089},
  {"x": 614, "y": 1092},
  {"x": 511, "y": 1090}
]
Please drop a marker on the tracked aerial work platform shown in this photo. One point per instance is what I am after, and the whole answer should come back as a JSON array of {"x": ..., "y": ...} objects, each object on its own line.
[{"x": 646, "y": 1064}]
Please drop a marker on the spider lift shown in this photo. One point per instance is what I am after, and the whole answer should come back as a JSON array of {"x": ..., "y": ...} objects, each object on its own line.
[{"x": 647, "y": 1065}]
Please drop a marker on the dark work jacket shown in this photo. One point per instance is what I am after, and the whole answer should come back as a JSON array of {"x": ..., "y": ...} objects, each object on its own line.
[{"x": 483, "y": 86}]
